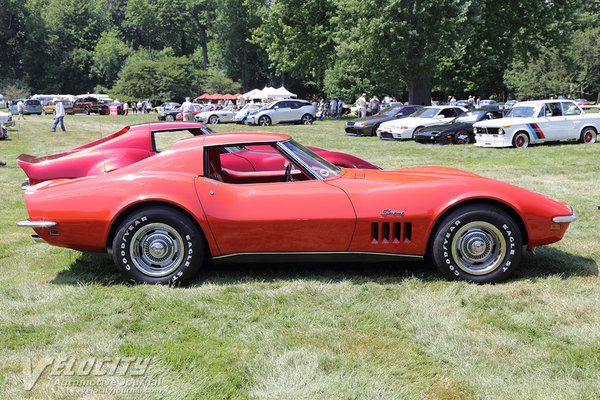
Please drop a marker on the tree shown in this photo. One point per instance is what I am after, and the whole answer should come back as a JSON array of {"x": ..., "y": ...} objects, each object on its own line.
[
  {"x": 298, "y": 38},
  {"x": 109, "y": 54},
  {"x": 217, "y": 81}
]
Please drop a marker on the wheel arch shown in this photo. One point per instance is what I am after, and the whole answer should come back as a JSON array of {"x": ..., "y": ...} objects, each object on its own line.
[
  {"x": 489, "y": 202},
  {"x": 124, "y": 213}
]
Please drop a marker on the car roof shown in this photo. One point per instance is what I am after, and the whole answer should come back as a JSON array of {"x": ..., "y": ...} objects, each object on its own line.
[
  {"x": 538, "y": 102},
  {"x": 225, "y": 139}
]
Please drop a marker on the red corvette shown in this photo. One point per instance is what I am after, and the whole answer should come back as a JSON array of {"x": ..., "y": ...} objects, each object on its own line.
[
  {"x": 164, "y": 216},
  {"x": 137, "y": 142}
]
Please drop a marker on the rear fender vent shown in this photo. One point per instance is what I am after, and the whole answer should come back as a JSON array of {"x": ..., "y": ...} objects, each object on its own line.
[{"x": 390, "y": 232}]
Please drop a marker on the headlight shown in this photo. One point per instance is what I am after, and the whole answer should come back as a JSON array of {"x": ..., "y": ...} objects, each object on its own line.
[
  {"x": 500, "y": 131},
  {"x": 474, "y": 130}
]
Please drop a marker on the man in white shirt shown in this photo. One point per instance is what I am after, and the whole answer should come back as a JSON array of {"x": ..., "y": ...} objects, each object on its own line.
[
  {"x": 187, "y": 111},
  {"x": 59, "y": 110},
  {"x": 20, "y": 109}
]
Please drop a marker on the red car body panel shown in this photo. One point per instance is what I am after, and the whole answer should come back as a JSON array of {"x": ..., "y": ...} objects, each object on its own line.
[
  {"x": 339, "y": 214},
  {"x": 130, "y": 145}
]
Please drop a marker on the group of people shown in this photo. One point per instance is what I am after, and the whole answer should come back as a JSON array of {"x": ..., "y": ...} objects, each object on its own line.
[
  {"x": 472, "y": 101},
  {"x": 332, "y": 108},
  {"x": 363, "y": 104}
]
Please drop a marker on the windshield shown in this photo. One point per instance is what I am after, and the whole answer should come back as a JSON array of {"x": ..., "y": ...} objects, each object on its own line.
[
  {"x": 521, "y": 112},
  {"x": 322, "y": 167},
  {"x": 391, "y": 111},
  {"x": 267, "y": 106},
  {"x": 425, "y": 113},
  {"x": 468, "y": 117}
]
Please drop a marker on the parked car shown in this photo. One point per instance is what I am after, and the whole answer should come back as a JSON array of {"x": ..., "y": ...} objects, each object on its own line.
[
  {"x": 406, "y": 128},
  {"x": 281, "y": 111},
  {"x": 6, "y": 119},
  {"x": 29, "y": 107},
  {"x": 368, "y": 126},
  {"x": 49, "y": 108},
  {"x": 488, "y": 103},
  {"x": 538, "y": 121},
  {"x": 134, "y": 143},
  {"x": 217, "y": 116},
  {"x": 582, "y": 102},
  {"x": 163, "y": 217},
  {"x": 166, "y": 107},
  {"x": 174, "y": 114},
  {"x": 509, "y": 104},
  {"x": 88, "y": 105},
  {"x": 462, "y": 103},
  {"x": 457, "y": 131}
]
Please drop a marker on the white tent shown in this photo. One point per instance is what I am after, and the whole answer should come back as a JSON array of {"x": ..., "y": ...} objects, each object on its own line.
[
  {"x": 269, "y": 93},
  {"x": 284, "y": 93}
]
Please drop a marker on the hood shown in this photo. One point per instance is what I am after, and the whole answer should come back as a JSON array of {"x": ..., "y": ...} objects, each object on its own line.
[
  {"x": 373, "y": 118},
  {"x": 502, "y": 122},
  {"x": 445, "y": 127},
  {"x": 410, "y": 122}
]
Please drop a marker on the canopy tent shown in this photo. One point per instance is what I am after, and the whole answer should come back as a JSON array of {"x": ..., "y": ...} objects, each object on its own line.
[
  {"x": 202, "y": 97},
  {"x": 286, "y": 94},
  {"x": 269, "y": 93}
]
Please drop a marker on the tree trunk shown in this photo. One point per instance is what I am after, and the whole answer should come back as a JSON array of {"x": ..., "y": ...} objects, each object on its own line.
[
  {"x": 204, "y": 47},
  {"x": 419, "y": 91}
]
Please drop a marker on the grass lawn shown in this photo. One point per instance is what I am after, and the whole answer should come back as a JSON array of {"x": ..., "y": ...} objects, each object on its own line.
[{"x": 308, "y": 331}]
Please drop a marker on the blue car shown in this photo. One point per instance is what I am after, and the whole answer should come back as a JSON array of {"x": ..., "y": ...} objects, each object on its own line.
[{"x": 29, "y": 107}]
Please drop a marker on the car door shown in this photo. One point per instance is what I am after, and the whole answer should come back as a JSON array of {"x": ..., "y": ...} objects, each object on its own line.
[
  {"x": 572, "y": 114},
  {"x": 277, "y": 216},
  {"x": 551, "y": 124},
  {"x": 282, "y": 112}
]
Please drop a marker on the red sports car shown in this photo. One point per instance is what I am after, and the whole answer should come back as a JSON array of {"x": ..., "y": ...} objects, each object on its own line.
[
  {"x": 164, "y": 216},
  {"x": 136, "y": 142}
]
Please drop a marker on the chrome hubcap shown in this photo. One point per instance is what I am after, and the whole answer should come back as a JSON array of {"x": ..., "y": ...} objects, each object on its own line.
[
  {"x": 478, "y": 248},
  {"x": 156, "y": 250}
]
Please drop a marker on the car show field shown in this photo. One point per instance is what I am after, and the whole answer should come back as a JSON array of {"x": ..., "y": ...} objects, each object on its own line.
[{"x": 315, "y": 330}]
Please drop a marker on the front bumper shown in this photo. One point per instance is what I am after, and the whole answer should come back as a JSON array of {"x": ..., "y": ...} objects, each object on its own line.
[
  {"x": 492, "y": 140},
  {"x": 565, "y": 219},
  {"x": 359, "y": 130},
  {"x": 431, "y": 139}
]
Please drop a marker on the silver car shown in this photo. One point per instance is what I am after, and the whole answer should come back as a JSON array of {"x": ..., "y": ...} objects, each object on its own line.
[
  {"x": 281, "y": 111},
  {"x": 217, "y": 116}
]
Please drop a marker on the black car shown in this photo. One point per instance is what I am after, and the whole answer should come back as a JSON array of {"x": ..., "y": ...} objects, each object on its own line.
[
  {"x": 169, "y": 115},
  {"x": 457, "y": 131},
  {"x": 367, "y": 126}
]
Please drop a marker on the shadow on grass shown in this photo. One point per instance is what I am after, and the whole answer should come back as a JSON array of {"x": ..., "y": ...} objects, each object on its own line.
[{"x": 98, "y": 269}]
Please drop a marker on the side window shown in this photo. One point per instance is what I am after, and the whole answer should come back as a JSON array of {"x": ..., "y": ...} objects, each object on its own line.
[
  {"x": 570, "y": 109},
  {"x": 448, "y": 112},
  {"x": 283, "y": 104},
  {"x": 555, "y": 109}
]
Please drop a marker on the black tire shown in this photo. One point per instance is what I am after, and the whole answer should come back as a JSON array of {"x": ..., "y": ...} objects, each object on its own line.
[
  {"x": 374, "y": 130},
  {"x": 520, "y": 140},
  {"x": 169, "y": 117},
  {"x": 417, "y": 130},
  {"x": 477, "y": 243},
  {"x": 264, "y": 120},
  {"x": 213, "y": 119},
  {"x": 588, "y": 135},
  {"x": 307, "y": 119},
  {"x": 158, "y": 246},
  {"x": 461, "y": 137}
]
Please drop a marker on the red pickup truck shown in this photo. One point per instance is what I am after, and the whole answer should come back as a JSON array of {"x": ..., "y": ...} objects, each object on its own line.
[{"x": 89, "y": 105}]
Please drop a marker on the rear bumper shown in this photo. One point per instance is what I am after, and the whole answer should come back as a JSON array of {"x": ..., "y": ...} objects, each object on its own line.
[{"x": 26, "y": 223}]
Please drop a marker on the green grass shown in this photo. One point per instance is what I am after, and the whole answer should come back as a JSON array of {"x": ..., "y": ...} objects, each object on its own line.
[{"x": 315, "y": 331}]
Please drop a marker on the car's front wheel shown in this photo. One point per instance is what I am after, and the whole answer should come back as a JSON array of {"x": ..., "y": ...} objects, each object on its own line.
[
  {"x": 158, "y": 246},
  {"x": 477, "y": 243},
  {"x": 169, "y": 117},
  {"x": 521, "y": 140},
  {"x": 588, "y": 136},
  {"x": 213, "y": 120},
  {"x": 462, "y": 137},
  {"x": 264, "y": 120},
  {"x": 307, "y": 119}
]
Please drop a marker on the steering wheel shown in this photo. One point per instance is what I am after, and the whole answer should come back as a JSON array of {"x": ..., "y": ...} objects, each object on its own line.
[{"x": 288, "y": 173}]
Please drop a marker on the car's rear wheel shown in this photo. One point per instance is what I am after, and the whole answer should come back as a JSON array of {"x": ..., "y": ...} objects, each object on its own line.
[
  {"x": 264, "y": 120},
  {"x": 307, "y": 119},
  {"x": 213, "y": 119},
  {"x": 159, "y": 246},
  {"x": 169, "y": 117},
  {"x": 462, "y": 137},
  {"x": 477, "y": 243},
  {"x": 521, "y": 140},
  {"x": 588, "y": 136}
]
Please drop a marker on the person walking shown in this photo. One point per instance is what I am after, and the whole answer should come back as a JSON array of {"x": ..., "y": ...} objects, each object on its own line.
[
  {"x": 125, "y": 108},
  {"x": 361, "y": 102},
  {"x": 187, "y": 110},
  {"x": 148, "y": 106},
  {"x": 59, "y": 110},
  {"x": 139, "y": 106},
  {"x": 20, "y": 109},
  {"x": 374, "y": 105}
]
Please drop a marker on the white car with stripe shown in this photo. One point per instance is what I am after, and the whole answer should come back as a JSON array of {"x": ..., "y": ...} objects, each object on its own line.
[{"x": 538, "y": 121}]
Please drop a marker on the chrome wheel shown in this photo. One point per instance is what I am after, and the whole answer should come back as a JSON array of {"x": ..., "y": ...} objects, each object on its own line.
[
  {"x": 264, "y": 121},
  {"x": 478, "y": 248},
  {"x": 307, "y": 119},
  {"x": 169, "y": 117},
  {"x": 213, "y": 120},
  {"x": 156, "y": 250},
  {"x": 461, "y": 137}
]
